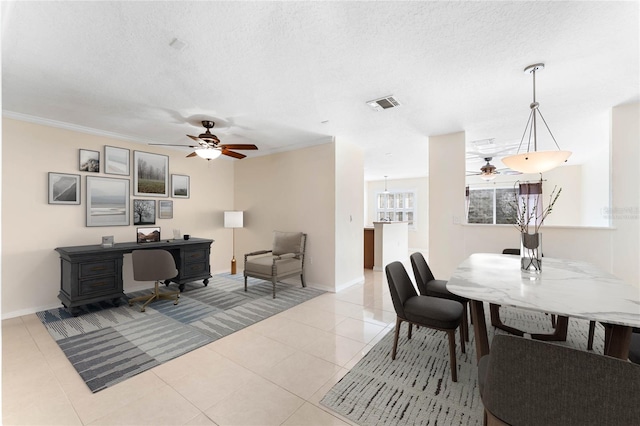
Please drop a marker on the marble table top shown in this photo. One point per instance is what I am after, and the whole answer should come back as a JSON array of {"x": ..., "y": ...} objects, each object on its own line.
[{"x": 564, "y": 287}]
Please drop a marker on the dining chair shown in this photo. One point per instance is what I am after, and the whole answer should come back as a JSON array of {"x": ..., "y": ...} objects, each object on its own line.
[
  {"x": 429, "y": 286},
  {"x": 527, "y": 382},
  {"x": 154, "y": 265},
  {"x": 425, "y": 311}
]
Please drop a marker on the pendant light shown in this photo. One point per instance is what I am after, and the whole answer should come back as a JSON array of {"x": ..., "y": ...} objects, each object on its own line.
[
  {"x": 385, "y": 186},
  {"x": 534, "y": 161}
]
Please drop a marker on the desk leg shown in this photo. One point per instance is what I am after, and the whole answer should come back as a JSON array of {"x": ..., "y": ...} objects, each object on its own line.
[
  {"x": 618, "y": 345},
  {"x": 479, "y": 328}
]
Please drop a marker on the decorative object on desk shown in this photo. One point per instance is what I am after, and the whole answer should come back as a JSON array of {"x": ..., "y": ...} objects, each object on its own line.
[
  {"x": 107, "y": 201},
  {"x": 205, "y": 314},
  {"x": 180, "y": 186},
  {"x": 150, "y": 174},
  {"x": 64, "y": 188},
  {"x": 107, "y": 241},
  {"x": 177, "y": 234},
  {"x": 415, "y": 388},
  {"x": 165, "y": 209},
  {"x": 233, "y": 219},
  {"x": 530, "y": 217},
  {"x": 144, "y": 212},
  {"x": 186, "y": 237},
  {"x": 89, "y": 161},
  {"x": 116, "y": 160},
  {"x": 534, "y": 161},
  {"x": 148, "y": 235}
]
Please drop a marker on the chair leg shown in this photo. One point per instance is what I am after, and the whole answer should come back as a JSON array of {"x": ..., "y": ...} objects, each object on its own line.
[
  {"x": 452, "y": 354},
  {"x": 395, "y": 338},
  {"x": 462, "y": 344},
  {"x": 410, "y": 329},
  {"x": 302, "y": 280},
  {"x": 465, "y": 322},
  {"x": 273, "y": 280},
  {"x": 245, "y": 283}
]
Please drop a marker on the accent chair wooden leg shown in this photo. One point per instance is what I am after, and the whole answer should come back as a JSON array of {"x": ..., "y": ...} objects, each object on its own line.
[
  {"x": 274, "y": 287},
  {"x": 395, "y": 337},
  {"x": 302, "y": 279},
  {"x": 245, "y": 283},
  {"x": 452, "y": 354},
  {"x": 410, "y": 330},
  {"x": 462, "y": 344}
]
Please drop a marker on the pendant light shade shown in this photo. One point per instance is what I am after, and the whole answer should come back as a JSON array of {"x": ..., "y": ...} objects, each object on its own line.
[{"x": 534, "y": 161}]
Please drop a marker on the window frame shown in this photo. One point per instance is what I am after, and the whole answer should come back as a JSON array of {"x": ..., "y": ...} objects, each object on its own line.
[
  {"x": 493, "y": 190},
  {"x": 412, "y": 225}
]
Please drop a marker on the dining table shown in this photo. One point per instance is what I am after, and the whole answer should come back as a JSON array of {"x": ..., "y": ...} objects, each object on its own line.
[{"x": 565, "y": 287}]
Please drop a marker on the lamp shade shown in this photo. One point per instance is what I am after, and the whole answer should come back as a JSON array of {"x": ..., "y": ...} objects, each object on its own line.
[
  {"x": 208, "y": 153},
  {"x": 233, "y": 219},
  {"x": 536, "y": 161}
]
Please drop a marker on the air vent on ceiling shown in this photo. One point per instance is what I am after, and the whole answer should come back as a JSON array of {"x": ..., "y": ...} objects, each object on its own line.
[{"x": 384, "y": 103}]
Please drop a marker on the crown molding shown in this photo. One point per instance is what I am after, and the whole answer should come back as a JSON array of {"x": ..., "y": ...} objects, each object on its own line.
[{"x": 73, "y": 127}]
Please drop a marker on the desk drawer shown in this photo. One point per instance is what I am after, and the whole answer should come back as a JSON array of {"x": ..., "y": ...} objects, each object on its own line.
[
  {"x": 195, "y": 256},
  {"x": 103, "y": 267},
  {"x": 194, "y": 269},
  {"x": 104, "y": 284}
]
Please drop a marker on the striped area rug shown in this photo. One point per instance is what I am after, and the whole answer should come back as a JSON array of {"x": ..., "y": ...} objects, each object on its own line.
[
  {"x": 416, "y": 388},
  {"x": 108, "y": 344}
]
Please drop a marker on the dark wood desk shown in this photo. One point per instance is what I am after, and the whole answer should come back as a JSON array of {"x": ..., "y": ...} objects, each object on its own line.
[{"x": 90, "y": 274}]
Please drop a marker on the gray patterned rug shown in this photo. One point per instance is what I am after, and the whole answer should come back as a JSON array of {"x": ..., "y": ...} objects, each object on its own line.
[
  {"x": 108, "y": 344},
  {"x": 416, "y": 388}
]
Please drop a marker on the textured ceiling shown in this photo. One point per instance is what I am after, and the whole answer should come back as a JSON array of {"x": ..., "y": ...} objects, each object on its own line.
[{"x": 284, "y": 75}]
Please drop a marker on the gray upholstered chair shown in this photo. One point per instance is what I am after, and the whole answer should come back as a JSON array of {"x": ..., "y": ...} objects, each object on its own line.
[
  {"x": 285, "y": 259},
  {"x": 527, "y": 382},
  {"x": 425, "y": 311},
  {"x": 429, "y": 286},
  {"x": 154, "y": 265}
]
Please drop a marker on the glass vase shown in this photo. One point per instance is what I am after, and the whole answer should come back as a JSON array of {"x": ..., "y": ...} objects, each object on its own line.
[{"x": 531, "y": 253}]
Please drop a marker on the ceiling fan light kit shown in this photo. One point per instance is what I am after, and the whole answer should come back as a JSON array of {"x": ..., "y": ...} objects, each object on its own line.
[
  {"x": 535, "y": 161},
  {"x": 208, "y": 153}
]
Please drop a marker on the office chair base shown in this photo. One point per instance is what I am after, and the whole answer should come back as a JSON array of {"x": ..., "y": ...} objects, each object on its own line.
[{"x": 156, "y": 295}]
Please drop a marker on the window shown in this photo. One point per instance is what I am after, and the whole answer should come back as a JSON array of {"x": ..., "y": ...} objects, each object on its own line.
[
  {"x": 493, "y": 206},
  {"x": 396, "y": 206}
]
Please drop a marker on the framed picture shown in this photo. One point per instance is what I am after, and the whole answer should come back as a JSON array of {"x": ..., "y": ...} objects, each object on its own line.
[
  {"x": 116, "y": 160},
  {"x": 148, "y": 235},
  {"x": 165, "y": 209},
  {"x": 89, "y": 161},
  {"x": 64, "y": 188},
  {"x": 179, "y": 186},
  {"x": 150, "y": 174},
  {"x": 144, "y": 212},
  {"x": 107, "y": 201}
]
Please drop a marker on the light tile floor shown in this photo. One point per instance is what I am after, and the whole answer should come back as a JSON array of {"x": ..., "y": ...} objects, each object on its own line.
[{"x": 272, "y": 373}]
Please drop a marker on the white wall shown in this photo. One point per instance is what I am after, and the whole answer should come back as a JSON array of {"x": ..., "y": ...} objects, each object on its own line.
[
  {"x": 32, "y": 228},
  {"x": 291, "y": 191},
  {"x": 418, "y": 237},
  {"x": 349, "y": 224}
]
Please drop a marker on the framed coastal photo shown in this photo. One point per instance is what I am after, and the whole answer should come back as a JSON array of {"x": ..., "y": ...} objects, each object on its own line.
[
  {"x": 107, "y": 201},
  {"x": 116, "y": 160},
  {"x": 148, "y": 235},
  {"x": 165, "y": 209},
  {"x": 89, "y": 161},
  {"x": 150, "y": 174},
  {"x": 64, "y": 188},
  {"x": 144, "y": 212},
  {"x": 180, "y": 186}
]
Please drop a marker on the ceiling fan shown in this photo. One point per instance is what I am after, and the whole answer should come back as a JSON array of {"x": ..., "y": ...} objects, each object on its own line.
[
  {"x": 489, "y": 171},
  {"x": 209, "y": 146}
]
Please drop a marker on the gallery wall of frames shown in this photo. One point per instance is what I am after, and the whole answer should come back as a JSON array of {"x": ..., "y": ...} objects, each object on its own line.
[{"x": 107, "y": 176}]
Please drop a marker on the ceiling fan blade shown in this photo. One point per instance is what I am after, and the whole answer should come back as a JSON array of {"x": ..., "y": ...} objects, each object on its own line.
[
  {"x": 195, "y": 138},
  {"x": 193, "y": 154},
  {"x": 232, "y": 154},
  {"x": 238, "y": 146}
]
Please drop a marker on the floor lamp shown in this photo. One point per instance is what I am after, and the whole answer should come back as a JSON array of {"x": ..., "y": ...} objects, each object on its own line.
[{"x": 233, "y": 219}]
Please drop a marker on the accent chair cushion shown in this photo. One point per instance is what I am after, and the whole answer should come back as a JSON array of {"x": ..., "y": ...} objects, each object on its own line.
[
  {"x": 262, "y": 265},
  {"x": 286, "y": 242}
]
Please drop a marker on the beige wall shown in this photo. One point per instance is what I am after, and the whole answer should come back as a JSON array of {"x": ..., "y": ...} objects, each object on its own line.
[
  {"x": 32, "y": 228},
  {"x": 418, "y": 237},
  {"x": 291, "y": 191}
]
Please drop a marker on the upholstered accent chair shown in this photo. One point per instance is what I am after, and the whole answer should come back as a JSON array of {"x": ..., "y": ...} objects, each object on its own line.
[
  {"x": 527, "y": 382},
  {"x": 284, "y": 260},
  {"x": 154, "y": 265},
  {"x": 423, "y": 311},
  {"x": 429, "y": 286}
]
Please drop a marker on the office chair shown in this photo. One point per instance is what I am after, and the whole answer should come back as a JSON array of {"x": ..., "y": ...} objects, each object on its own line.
[{"x": 154, "y": 265}]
